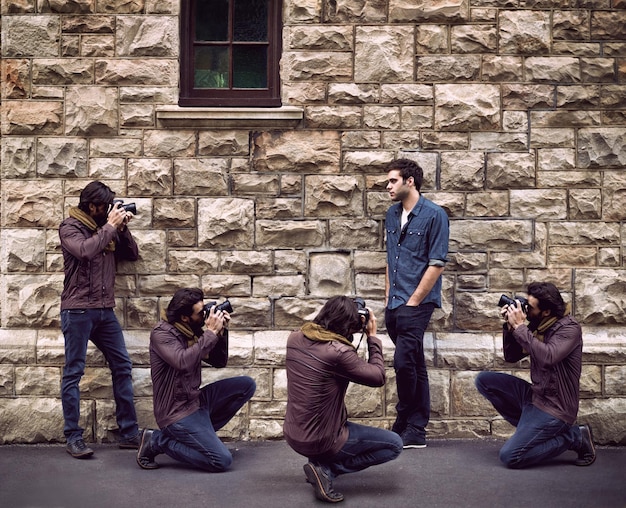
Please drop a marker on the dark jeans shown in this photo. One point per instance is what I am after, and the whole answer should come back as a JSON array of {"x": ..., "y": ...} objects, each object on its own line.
[
  {"x": 366, "y": 446},
  {"x": 538, "y": 435},
  {"x": 406, "y": 327},
  {"x": 193, "y": 440},
  {"x": 104, "y": 330}
]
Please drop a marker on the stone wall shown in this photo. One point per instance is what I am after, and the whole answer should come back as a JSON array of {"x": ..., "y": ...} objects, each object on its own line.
[{"x": 516, "y": 111}]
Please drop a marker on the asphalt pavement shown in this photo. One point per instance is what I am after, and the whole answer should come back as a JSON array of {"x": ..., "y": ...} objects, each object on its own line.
[{"x": 268, "y": 474}]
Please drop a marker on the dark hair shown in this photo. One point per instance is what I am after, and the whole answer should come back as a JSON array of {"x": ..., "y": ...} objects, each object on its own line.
[
  {"x": 339, "y": 315},
  {"x": 96, "y": 193},
  {"x": 182, "y": 303},
  {"x": 408, "y": 168},
  {"x": 548, "y": 296}
]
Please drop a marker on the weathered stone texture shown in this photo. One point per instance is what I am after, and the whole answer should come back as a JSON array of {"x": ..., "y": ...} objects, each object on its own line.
[{"x": 516, "y": 113}]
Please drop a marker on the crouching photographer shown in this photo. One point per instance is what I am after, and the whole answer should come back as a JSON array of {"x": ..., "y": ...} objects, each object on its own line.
[
  {"x": 189, "y": 416},
  {"x": 544, "y": 412},
  {"x": 321, "y": 361}
]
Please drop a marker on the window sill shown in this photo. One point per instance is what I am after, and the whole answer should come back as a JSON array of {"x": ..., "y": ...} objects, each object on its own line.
[{"x": 229, "y": 118}]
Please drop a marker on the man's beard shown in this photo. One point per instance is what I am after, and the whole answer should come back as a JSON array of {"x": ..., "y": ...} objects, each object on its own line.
[
  {"x": 101, "y": 220},
  {"x": 534, "y": 323},
  {"x": 196, "y": 328}
]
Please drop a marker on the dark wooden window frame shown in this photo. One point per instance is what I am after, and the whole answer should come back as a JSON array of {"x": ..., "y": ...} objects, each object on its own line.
[{"x": 266, "y": 97}]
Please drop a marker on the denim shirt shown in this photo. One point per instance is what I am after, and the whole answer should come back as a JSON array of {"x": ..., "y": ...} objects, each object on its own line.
[{"x": 410, "y": 251}]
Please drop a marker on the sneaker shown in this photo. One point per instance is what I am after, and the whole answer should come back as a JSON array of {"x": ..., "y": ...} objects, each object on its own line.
[
  {"x": 130, "y": 443},
  {"x": 587, "y": 451},
  {"x": 399, "y": 426},
  {"x": 145, "y": 453},
  {"x": 78, "y": 449},
  {"x": 413, "y": 438},
  {"x": 322, "y": 483}
]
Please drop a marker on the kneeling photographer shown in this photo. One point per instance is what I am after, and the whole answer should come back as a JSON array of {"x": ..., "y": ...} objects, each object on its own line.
[
  {"x": 321, "y": 362},
  {"x": 188, "y": 416},
  {"x": 544, "y": 412}
]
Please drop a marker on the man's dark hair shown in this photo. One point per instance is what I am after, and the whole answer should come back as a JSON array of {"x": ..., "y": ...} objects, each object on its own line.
[
  {"x": 182, "y": 304},
  {"x": 407, "y": 169},
  {"x": 96, "y": 193},
  {"x": 549, "y": 297},
  {"x": 339, "y": 315}
]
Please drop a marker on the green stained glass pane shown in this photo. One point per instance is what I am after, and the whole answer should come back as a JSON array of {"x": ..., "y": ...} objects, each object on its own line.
[
  {"x": 211, "y": 20},
  {"x": 211, "y": 67},
  {"x": 250, "y": 20},
  {"x": 250, "y": 66}
]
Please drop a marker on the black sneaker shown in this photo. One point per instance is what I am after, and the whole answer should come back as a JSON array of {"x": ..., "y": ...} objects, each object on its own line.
[
  {"x": 322, "y": 484},
  {"x": 399, "y": 426},
  {"x": 130, "y": 443},
  {"x": 145, "y": 453},
  {"x": 78, "y": 449},
  {"x": 587, "y": 451},
  {"x": 413, "y": 438}
]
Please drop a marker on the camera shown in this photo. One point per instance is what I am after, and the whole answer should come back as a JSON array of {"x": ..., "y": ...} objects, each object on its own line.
[
  {"x": 129, "y": 207},
  {"x": 505, "y": 300},
  {"x": 362, "y": 310},
  {"x": 225, "y": 306}
]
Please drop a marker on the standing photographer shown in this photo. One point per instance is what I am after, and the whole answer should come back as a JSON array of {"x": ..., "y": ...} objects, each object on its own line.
[
  {"x": 543, "y": 412},
  {"x": 321, "y": 361},
  {"x": 93, "y": 239},
  {"x": 189, "y": 416}
]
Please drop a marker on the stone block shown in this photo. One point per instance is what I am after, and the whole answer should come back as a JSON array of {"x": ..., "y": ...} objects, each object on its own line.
[
  {"x": 146, "y": 36},
  {"x": 607, "y": 417},
  {"x": 329, "y": 275},
  {"x": 200, "y": 177},
  {"x": 467, "y": 107},
  {"x": 464, "y": 351},
  {"x": 270, "y": 347},
  {"x": 17, "y": 158},
  {"x": 36, "y": 420},
  {"x": 290, "y": 234},
  {"x": 526, "y": 33},
  {"x": 223, "y": 222},
  {"x": 231, "y": 285},
  {"x": 22, "y": 250},
  {"x": 30, "y": 36},
  {"x": 385, "y": 45},
  {"x": 424, "y": 11},
  {"x": 310, "y": 151},
  {"x": 276, "y": 286}
]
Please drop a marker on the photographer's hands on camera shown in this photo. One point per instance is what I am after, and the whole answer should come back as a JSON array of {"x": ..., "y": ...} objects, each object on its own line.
[
  {"x": 118, "y": 216},
  {"x": 217, "y": 320},
  {"x": 513, "y": 315}
]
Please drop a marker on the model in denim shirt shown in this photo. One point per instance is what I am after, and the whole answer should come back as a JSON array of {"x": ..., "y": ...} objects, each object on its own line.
[{"x": 417, "y": 233}]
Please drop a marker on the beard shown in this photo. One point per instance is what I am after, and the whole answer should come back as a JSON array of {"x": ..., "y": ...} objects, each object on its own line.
[
  {"x": 197, "y": 328},
  {"x": 100, "y": 220},
  {"x": 533, "y": 323}
]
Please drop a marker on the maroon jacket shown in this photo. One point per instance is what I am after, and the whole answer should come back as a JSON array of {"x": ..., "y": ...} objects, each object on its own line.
[
  {"x": 318, "y": 374},
  {"x": 555, "y": 365},
  {"x": 89, "y": 266},
  {"x": 176, "y": 370}
]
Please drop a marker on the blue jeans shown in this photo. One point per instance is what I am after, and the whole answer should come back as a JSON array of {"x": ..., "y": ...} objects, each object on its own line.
[
  {"x": 104, "y": 330},
  {"x": 192, "y": 440},
  {"x": 366, "y": 446},
  {"x": 538, "y": 435},
  {"x": 406, "y": 327}
]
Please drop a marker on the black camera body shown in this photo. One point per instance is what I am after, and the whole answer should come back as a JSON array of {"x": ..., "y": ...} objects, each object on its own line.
[
  {"x": 225, "y": 306},
  {"x": 362, "y": 310},
  {"x": 129, "y": 207},
  {"x": 505, "y": 300}
]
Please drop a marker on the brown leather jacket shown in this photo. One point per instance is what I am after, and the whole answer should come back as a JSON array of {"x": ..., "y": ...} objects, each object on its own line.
[
  {"x": 318, "y": 374},
  {"x": 176, "y": 370},
  {"x": 89, "y": 266},
  {"x": 555, "y": 365}
]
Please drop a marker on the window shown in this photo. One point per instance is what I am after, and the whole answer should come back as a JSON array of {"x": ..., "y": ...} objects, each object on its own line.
[{"x": 230, "y": 52}]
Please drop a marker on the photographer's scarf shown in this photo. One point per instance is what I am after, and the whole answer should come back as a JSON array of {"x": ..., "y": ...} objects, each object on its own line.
[
  {"x": 316, "y": 332},
  {"x": 546, "y": 323},
  {"x": 192, "y": 338},
  {"x": 88, "y": 221}
]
